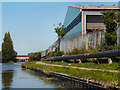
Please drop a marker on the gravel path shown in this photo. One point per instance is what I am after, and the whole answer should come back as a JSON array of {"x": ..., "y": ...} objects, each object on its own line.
[{"x": 76, "y": 67}]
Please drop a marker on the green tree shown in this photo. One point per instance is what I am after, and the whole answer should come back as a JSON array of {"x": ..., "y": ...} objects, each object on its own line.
[
  {"x": 0, "y": 54},
  {"x": 60, "y": 30},
  {"x": 109, "y": 20},
  {"x": 8, "y": 52},
  {"x": 35, "y": 56}
]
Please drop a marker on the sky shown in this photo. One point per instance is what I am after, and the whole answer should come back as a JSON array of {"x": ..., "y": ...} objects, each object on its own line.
[
  {"x": 60, "y": 0},
  {"x": 31, "y": 23}
]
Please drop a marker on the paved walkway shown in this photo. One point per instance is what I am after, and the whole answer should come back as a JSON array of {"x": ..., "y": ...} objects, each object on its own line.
[{"x": 76, "y": 67}]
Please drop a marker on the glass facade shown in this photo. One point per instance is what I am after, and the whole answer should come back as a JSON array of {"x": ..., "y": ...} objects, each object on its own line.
[
  {"x": 73, "y": 38},
  {"x": 71, "y": 14}
]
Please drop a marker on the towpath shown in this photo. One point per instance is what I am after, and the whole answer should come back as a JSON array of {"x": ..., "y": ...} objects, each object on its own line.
[{"x": 83, "y": 68}]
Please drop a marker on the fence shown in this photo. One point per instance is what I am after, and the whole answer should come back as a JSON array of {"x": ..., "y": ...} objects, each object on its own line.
[{"x": 91, "y": 40}]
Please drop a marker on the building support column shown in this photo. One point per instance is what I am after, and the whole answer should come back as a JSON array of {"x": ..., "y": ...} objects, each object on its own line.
[{"x": 118, "y": 33}]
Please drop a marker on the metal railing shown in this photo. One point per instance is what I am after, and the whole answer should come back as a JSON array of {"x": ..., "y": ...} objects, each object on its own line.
[{"x": 111, "y": 53}]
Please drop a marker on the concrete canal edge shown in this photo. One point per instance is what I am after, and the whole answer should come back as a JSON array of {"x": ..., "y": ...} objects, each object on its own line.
[{"x": 75, "y": 80}]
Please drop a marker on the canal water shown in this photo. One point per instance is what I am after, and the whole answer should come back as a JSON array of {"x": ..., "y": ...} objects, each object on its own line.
[{"x": 13, "y": 76}]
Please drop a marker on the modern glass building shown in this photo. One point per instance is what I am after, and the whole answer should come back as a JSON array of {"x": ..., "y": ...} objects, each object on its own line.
[{"x": 85, "y": 27}]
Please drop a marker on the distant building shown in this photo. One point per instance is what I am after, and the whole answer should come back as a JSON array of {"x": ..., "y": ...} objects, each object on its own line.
[
  {"x": 85, "y": 28},
  {"x": 23, "y": 58},
  {"x": 43, "y": 53},
  {"x": 49, "y": 50}
]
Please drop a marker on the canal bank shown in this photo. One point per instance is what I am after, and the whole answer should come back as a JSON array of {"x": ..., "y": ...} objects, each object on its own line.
[
  {"x": 91, "y": 78},
  {"x": 13, "y": 77}
]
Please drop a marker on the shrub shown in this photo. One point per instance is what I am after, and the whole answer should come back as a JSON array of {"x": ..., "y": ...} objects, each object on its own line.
[
  {"x": 11, "y": 62},
  {"x": 59, "y": 53},
  {"x": 106, "y": 47},
  {"x": 74, "y": 51}
]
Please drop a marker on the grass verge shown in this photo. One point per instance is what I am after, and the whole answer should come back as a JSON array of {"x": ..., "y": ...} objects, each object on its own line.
[
  {"x": 102, "y": 76},
  {"x": 113, "y": 66}
]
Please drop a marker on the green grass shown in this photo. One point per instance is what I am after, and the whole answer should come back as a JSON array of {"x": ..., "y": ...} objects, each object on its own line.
[
  {"x": 113, "y": 66},
  {"x": 103, "y": 76}
]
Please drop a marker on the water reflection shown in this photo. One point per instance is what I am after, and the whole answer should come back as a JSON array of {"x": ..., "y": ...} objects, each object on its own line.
[
  {"x": 46, "y": 79},
  {"x": 59, "y": 83},
  {"x": 0, "y": 76},
  {"x": 14, "y": 77},
  {"x": 7, "y": 78}
]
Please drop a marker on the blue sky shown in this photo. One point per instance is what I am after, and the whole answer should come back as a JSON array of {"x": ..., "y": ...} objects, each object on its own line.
[
  {"x": 60, "y": 0},
  {"x": 31, "y": 23}
]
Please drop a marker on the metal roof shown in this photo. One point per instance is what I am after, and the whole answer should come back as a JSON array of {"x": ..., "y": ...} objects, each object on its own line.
[{"x": 95, "y": 6}]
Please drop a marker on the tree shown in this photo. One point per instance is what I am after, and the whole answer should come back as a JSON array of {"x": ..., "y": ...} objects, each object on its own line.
[
  {"x": 35, "y": 56},
  {"x": 8, "y": 52},
  {"x": 60, "y": 30},
  {"x": 0, "y": 56},
  {"x": 109, "y": 20}
]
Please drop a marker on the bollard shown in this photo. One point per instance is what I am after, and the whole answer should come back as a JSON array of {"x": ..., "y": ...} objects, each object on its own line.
[
  {"x": 109, "y": 61},
  {"x": 79, "y": 61}
]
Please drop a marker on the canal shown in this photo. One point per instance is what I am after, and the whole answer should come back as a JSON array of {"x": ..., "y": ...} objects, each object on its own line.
[{"x": 13, "y": 76}]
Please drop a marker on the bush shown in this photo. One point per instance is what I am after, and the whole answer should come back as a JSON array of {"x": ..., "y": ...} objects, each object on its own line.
[
  {"x": 59, "y": 53},
  {"x": 11, "y": 62},
  {"x": 55, "y": 53},
  {"x": 35, "y": 56},
  {"x": 82, "y": 51},
  {"x": 108, "y": 47},
  {"x": 74, "y": 51}
]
